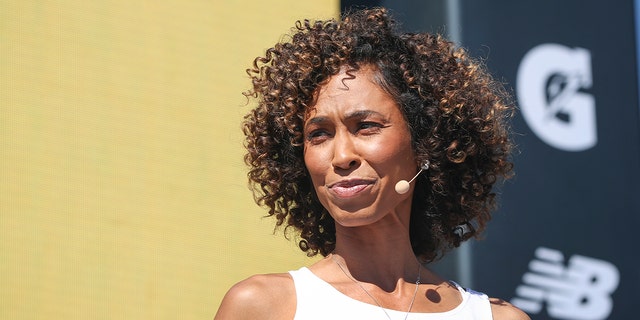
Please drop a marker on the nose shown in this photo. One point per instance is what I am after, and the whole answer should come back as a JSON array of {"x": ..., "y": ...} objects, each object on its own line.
[{"x": 345, "y": 155}]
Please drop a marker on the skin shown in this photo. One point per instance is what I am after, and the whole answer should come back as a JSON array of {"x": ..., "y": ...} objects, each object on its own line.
[{"x": 357, "y": 147}]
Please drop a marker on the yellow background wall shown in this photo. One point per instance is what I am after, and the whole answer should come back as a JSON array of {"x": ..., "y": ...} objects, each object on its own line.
[{"x": 123, "y": 193}]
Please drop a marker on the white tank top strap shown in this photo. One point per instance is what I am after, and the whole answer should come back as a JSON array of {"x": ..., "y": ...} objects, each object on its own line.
[{"x": 478, "y": 303}]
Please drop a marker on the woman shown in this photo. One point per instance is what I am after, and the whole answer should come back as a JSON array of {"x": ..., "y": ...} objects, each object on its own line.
[{"x": 381, "y": 149}]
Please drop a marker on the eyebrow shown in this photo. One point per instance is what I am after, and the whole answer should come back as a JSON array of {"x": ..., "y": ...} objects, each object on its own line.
[
  {"x": 359, "y": 114},
  {"x": 362, "y": 114}
]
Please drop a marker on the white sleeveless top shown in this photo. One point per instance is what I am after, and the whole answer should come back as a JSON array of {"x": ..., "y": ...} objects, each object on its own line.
[{"x": 317, "y": 299}]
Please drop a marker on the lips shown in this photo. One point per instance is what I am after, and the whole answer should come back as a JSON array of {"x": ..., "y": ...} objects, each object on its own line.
[{"x": 349, "y": 188}]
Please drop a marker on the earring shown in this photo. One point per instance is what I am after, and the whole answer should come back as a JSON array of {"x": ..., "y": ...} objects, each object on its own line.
[
  {"x": 425, "y": 165},
  {"x": 461, "y": 230}
]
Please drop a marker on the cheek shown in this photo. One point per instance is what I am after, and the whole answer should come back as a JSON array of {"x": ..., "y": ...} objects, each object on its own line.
[
  {"x": 391, "y": 152},
  {"x": 315, "y": 166},
  {"x": 383, "y": 152}
]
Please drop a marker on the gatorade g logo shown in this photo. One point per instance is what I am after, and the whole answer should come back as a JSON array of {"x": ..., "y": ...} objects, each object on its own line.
[
  {"x": 581, "y": 290},
  {"x": 549, "y": 83}
]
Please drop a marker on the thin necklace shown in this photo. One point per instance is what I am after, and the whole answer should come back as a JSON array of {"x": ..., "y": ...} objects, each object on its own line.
[{"x": 372, "y": 297}]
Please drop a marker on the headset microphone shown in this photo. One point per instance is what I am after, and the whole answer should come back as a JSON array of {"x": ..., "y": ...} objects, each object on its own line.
[{"x": 403, "y": 186}]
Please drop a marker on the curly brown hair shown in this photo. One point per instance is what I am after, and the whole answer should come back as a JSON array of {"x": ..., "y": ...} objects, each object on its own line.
[{"x": 457, "y": 114}]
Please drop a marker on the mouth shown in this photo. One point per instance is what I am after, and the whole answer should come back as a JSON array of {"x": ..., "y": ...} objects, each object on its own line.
[{"x": 349, "y": 188}]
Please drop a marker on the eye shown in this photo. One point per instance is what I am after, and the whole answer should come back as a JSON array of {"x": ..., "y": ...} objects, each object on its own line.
[
  {"x": 369, "y": 127},
  {"x": 317, "y": 136}
]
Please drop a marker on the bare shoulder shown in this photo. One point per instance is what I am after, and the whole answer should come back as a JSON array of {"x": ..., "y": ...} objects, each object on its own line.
[
  {"x": 265, "y": 296},
  {"x": 503, "y": 310}
]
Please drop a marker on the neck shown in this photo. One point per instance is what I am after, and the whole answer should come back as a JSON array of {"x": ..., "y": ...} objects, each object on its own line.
[{"x": 379, "y": 254}]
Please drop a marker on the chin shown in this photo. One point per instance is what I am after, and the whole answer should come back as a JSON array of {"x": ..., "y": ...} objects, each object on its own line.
[{"x": 359, "y": 218}]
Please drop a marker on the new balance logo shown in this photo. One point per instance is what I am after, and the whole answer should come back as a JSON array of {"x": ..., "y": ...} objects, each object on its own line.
[{"x": 580, "y": 291}]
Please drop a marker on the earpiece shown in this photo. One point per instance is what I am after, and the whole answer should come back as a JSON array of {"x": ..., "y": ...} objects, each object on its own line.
[{"x": 403, "y": 186}]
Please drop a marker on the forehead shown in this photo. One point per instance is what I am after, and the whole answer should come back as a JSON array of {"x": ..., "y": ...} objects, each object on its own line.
[
  {"x": 351, "y": 89},
  {"x": 348, "y": 77}
]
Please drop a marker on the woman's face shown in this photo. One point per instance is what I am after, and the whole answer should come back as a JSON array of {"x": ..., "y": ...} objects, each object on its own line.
[{"x": 357, "y": 146}]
